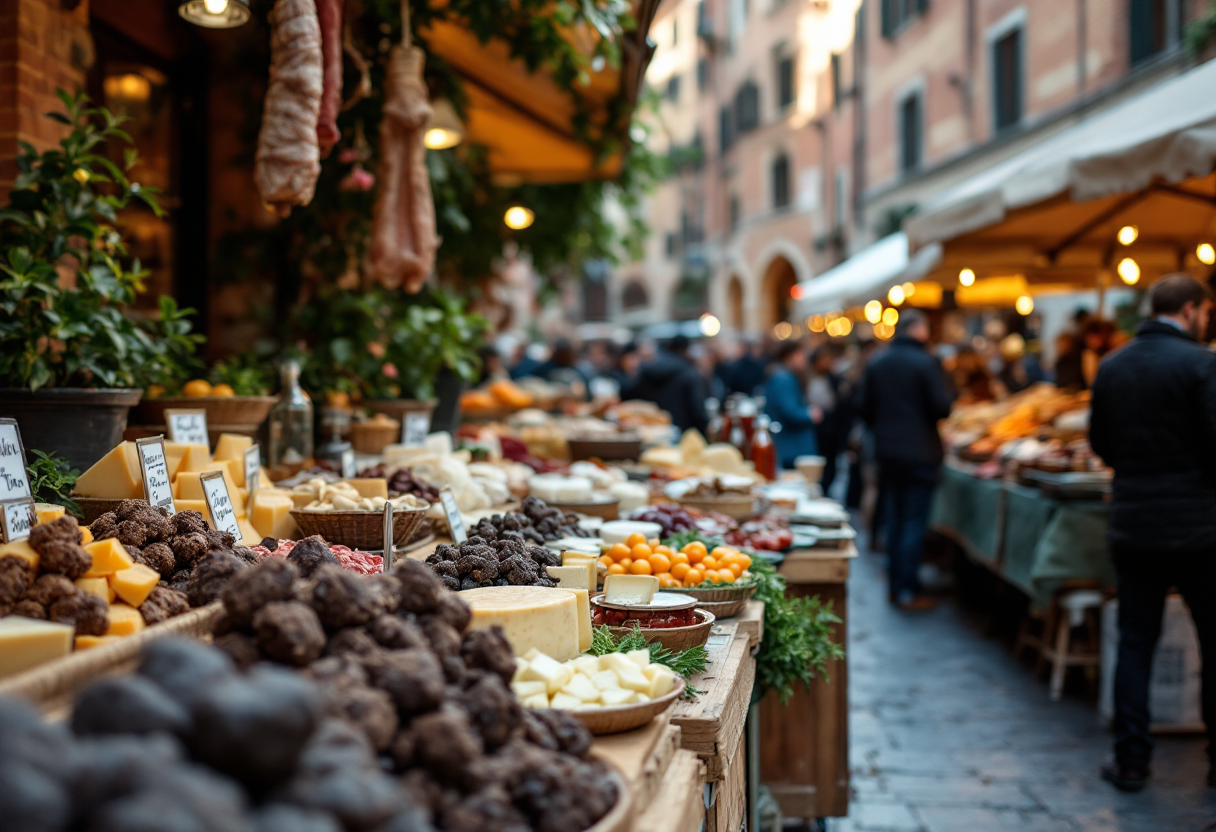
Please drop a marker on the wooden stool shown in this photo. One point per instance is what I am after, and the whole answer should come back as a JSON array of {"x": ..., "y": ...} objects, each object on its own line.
[{"x": 1067, "y": 611}]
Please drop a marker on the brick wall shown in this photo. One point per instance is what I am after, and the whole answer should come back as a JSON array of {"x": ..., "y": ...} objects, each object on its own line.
[{"x": 43, "y": 46}]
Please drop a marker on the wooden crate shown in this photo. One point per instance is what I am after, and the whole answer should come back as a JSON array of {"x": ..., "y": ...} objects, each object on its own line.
[
  {"x": 679, "y": 805},
  {"x": 642, "y": 756},
  {"x": 728, "y": 798},
  {"x": 751, "y": 622},
  {"x": 713, "y": 723}
]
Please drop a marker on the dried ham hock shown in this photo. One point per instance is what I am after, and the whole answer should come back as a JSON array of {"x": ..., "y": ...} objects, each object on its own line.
[
  {"x": 403, "y": 223},
  {"x": 289, "y": 158},
  {"x": 329, "y": 13}
]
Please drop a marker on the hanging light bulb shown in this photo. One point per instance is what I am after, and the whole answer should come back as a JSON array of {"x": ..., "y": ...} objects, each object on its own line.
[
  {"x": 816, "y": 323},
  {"x": 874, "y": 311},
  {"x": 1206, "y": 254},
  {"x": 1128, "y": 234},
  {"x": 909, "y": 289},
  {"x": 518, "y": 217},
  {"x": 896, "y": 296},
  {"x": 966, "y": 277},
  {"x": 890, "y": 317},
  {"x": 1129, "y": 271},
  {"x": 444, "y": 130},
  {"x": 215, "y": 14},
  {"x": 846, "y": 326},
  {"x": 710, "y": 325},
  {"x": 1024, "y": 305}
]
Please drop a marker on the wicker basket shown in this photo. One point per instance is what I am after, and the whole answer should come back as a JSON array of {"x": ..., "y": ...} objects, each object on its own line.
[
  {"x": 675, "y": 639},
  {"x": 717, "y": 595},
  {"x": 371, "y": 437},
  {"x": 615, "y": 448},
  {"x": 600, "y": 721},
  {"x": 359, "y": 529},
  {"x": 221, "y": 410},
  {"x": 397, "y": 408}
]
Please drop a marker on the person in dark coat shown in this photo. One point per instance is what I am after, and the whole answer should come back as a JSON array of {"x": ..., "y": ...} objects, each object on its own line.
[
  {"x": 826, "y": 393},
  {"x": 673, "y": 382},
  {"x": 745, "y": 375},
  {"x": 785, "y": 403},
  {"x": 904, "y": 395},
  {"x": 1153, "y": 421}
]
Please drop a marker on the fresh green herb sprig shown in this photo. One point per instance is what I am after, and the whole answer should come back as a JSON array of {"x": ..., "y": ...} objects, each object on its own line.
[
  {"x": 52, "y": 480},
  {"x": 684, "y": 664}
]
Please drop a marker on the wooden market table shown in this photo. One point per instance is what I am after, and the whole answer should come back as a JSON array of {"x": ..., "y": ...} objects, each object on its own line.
[{"x": 804, "y": 744}]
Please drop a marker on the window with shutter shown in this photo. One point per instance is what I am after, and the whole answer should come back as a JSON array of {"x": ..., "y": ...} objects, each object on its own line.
[
  {"x": 781, "y": 181},
  {"x": 1007, "y": 80},
  {"x": 725, "y": 130},
  {"x": 837, "y": 83},
  {"x": 747, "y": 108},
  {"x": 910, "y": 130},
  {"x": 785, "y": 82},
  {"x": 897, "y": 14},
  {"x": 702, "y": 74},
  {"x": 673, "y": 88},
  {"x": 1155, "y": 26}
]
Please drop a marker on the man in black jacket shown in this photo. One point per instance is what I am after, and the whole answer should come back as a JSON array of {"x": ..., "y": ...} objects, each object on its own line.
[
  {"x": 903, "y": 397},
  {"x": 1154, "y": 423},
  {"x": 673, "y": 383}
]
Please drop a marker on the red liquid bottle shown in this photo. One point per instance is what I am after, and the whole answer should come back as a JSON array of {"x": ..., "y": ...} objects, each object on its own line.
[{"x": 764, "y": 452}]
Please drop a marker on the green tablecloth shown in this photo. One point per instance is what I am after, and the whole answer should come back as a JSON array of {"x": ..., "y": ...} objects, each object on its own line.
[{"x": 969, "y": 509}]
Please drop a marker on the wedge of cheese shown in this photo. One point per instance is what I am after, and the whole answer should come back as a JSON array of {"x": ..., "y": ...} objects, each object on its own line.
[
  {"x": 86, "y": 536},
  {"x": 630, "y": 589},
  {"x": 189, "y": 486},
  {"x": 532, "y": 617},
  {"x": 109, "y": 556},
  {"x": 175, "y": 452},
  {"x": 26, "y": 643},
  {"x": 124, "y": 621},
  {"x": 583, "y": 597},
  {"x": 271, "y": 516},
  {"x": 135, "y": 583},
  {"x": 115, "y": 476},
  {"x": 249, "y": 535},
  {"x": 372, "y": 487},
  {"x": 192, "y": 505},
  {"x": 194, "y": 458},
  {"x": 89, "y": 642},
  {"x": 21, "y": 549},
  {"x": 233, "y": 446},
  {"x": 47, "y": 512}
]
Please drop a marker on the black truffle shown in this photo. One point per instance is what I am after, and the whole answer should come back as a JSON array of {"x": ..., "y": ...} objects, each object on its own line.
[
  {"x": 64, "y": 557},
  {"x": 87, "y": 612},
  {"x": 252, "y": 589},
  {"x": 162, "y": 604},
  {"x": 128, "y": 705},
  {"x": 413, "y": 678},
  {"x": 185, "y": 669},
  {"x": 344, "y": 599},
  {"x": 289, "y": 632},
  {"x": 310, "y": 554}
]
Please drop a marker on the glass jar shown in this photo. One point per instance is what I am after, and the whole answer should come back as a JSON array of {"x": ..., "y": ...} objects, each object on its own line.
[
  {"x": 764, "y": 452},
  {"x": 291, "y": 426}
]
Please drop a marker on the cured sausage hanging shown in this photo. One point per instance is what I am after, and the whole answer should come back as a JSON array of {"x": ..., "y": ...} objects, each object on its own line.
[
  {"x": 329, "y": 13},
  {"x": 288, "y": 157}
]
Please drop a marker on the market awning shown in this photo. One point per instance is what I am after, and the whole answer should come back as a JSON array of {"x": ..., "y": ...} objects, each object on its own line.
[
  {"x": 526, "y": 120},
  {"x": 1052, "y": 212},
  {"x": 867, "y": 275}
]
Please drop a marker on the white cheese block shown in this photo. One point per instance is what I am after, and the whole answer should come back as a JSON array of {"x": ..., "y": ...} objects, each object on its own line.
[
  {"x": 575, "y": 573},
  {"x": 632, "y": 678},
  {"x": 630, "y": 589},
  {"x": 26, "y": 643},
  {"x": 617, "y": 697},
  {"x": 554, "y": 488},
  {"x": 584, "y": 616},
  {"x": 539, "y": 700},
  {"x": 606, "y": 680},
  {"x": 549, "y": 671},
  {"x": 582, "y": 688},
  {"x": 565, "y": 702},
  {"x": 633, "y": 495},
  {"x": 640, "y": 657},
  {"x": 525, "y": 690},
  {"x": 531, "y": 617}
]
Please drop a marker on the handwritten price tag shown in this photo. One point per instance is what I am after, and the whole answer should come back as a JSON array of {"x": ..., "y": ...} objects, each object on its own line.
[
  {"x": 219, "y": 503},
  {"x": 253, "y": 468},
  {"x": 17, "y": 518},
  {"x": 14, "y": 479},
  {"x": 155, "y": 470},
  {"x": 188, "y": 426},
  {"x": 452, "y": 512},
  {"x": 414, "y": 429},
  {"x": 348, "y": 464}
]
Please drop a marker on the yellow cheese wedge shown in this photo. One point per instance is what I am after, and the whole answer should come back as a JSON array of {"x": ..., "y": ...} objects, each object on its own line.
[
  {"x": 189, "y": 486},
  {"x": 233, "y": 446},
  {"x": 175, "y": 453},
  {"x": 26, "y": 643},
  {"x": 249, "y": 535},
  {"x": 47, "y": 512},
  {"x": 89, "y": 642},
  {"x": 532, "y": 617},
  {"x": 192, "y": 505},
  {"x": 194, "y": 458},
  {"x": 21, "y": 549},
  {"x": 98, "y": 586},
  {"x": 584, "y": 615},
  {"x": 86, "y": 536},
  {"x": 135, "y": 583},
  {"x": 264, "y": 480},
  {"x": 109, "y": 556},
  {"x": 271, "y": 516},
  {"x": 113, "y": 476},
  {"x": 371, "y": 487},
  {"x": 124, "y": 621}
]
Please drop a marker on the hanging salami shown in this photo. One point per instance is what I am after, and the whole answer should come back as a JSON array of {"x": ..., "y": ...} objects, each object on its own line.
[
  {"x": 288, "y": 157},
  {"x": 329, "y": 13}
]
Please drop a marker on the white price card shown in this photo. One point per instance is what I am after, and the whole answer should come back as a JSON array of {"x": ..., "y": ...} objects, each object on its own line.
[
  {"x": 17, "y": 518},
  {"x": 219, "y": 503},
  {"x": 253, "y": 468},
  {"x": 348, "y": 464},
  {"x": 452, "y": 512},
  {"x": 14, "y": 479},
  {"x": 414, "y": 429},
  {"x": 188, "y": 427},
  {"x": 155, "y": 471}
]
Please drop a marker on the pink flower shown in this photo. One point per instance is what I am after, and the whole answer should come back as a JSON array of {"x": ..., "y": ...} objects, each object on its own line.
[
  {"x": 376, "y": 349},
  {"x": 357, "y": 180},
  {"x": 348, "y": 155},
  {"x": 389, "y": 369}
]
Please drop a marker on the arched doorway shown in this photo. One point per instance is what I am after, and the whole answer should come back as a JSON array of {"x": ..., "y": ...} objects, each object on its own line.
[
  {"x": 734, "y": 304},
  {"x": 779, "y": 279},
  {"x": 635, "y": 296}
]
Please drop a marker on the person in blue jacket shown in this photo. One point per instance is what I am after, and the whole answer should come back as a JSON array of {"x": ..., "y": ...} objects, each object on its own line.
[{"x": 785, "y": 403}]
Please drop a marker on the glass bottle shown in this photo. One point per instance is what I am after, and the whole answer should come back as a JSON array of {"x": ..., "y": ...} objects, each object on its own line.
[
  {"x": 728, "y": 420},
  {"x": 764, "y": 452},
  {"x": 290, "y": 426},
  {"x": 337, "y": 454},
  {"x": 740, "y": 435},
  {"x": 713, "y": 429}
]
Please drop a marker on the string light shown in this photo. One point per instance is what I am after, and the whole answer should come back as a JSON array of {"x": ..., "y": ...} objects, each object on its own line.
[
  {"x": 1206, "y": 254},
  {"x": 783, "y": 330},
  {"x": 890, "y": 317},
  {"x": 896, "y": 296},
  {"x": 873, "y": 311},
  {"x": 710, "y": 325},
  {"x": 1129, "y": 271},
  {"x": 215, "y": 14},
  {"x": 1128, "y": 234},
  {"x": 796, "y": 291},
  {"x": 1024, "y": 305},
  {"x": 909, "y": 289},
  {"x": 966, "y": 277},
  {"x": 815, "y": 323},
  {"x": 518, "y": 217},
  {"x": 882, "y": 331}
]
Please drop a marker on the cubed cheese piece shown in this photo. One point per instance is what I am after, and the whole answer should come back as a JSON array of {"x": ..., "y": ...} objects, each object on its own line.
[
  {"x": 606, "y": 680},
  {"x": 642, "y": 697},
  {"x": 617, "y": 697},
  {"x": 86, "y": 536},
  {"x": 639, "y": 657},
  {"x": 175, "y": 452},
  {"x": 370, "y": 487},
  {"x": 124, "y": 621},
  {"x": 21, "y": 549},
  {"x": 271, "y": 516},
  {"x": 26, "y": 643},
  {"x": 98, "y": 586},
  {"x": 550, "y": 671},
  {"x": 530, "y": 655},
  {"x": 520, "y": 666},
  {"x": 89, "y": 642},
  {"x": 48, "y": 512},
  {"x": 540, "y": 700},
  {"x": 193, "y": 459},
  {"x": 531, "y": 616},
  {"x": 581, "y": 687},
  {"x": 630, "y": 589},
  {"x": 662, "y": 681},
  {"x": 565, "y": 702},
  {"x": 113, "y": 476},
  {"x": 584, "y": 617},
  {"x": 617, "y": 662},
  {"x": 587, "y": 664},
  {"x": 633, "y": 679},
  {"x": 109, "y": 556},
  {"x": 233, "y": 446},
  {"x": 135, "y": 583},
  {"x": 570, "y": 577},
  {"x": 524, "y": 690}
]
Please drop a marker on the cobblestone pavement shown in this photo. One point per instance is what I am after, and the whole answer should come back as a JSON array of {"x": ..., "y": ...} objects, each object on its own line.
[{"x": 950, "y": 734}]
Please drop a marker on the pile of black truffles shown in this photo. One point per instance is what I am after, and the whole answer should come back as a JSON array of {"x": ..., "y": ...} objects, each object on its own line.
[
  {"x": 191, "y": 557},
  {"x": 392, "y": 657},
  {"x": 48, "y": 593},
  {"x": 536, "y": 522}
]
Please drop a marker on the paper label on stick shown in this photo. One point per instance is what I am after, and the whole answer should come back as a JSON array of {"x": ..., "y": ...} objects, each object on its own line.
[
  {"x": 452, "y": 512},
  {"x": 388, "y": 536},
  {"x": 348, "y": 464},
  {"x": 14, "y": 479},
  {"x": 414, "y": 429},
  {"x": 219, "y": 503},
  {"x": 253, "y": 468},
  {"x": 155, "y": 471},
  {"x": 17, "y": 518},
  {"x": 188, "y": 426}
]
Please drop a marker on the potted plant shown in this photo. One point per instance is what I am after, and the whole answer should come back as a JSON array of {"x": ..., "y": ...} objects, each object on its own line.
[{"x": 71, "y": 362}]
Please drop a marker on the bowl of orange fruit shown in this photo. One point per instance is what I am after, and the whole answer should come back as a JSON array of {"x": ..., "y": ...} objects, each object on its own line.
[{"x": 715, "y": 576}]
